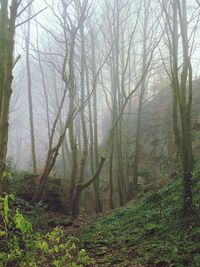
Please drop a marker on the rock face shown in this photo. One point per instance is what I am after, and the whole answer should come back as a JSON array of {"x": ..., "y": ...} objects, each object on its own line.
[
  {"x": 25, "y": 187},
  {"x": 53, "y": 197},
  {"x": 157, "y": 141}
]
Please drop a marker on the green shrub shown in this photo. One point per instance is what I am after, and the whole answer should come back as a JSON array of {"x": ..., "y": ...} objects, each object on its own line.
[
  {"x": 21, "y": 246},
  {"x": 196, "y": 261}
]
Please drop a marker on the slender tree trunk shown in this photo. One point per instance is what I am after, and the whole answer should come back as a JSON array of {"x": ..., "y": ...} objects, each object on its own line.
[
  {"x": 141, "y": 97},
  {"x": 175, "y": 120},
  {"x": 111, "y": 200},
  {"x": 98, "y": 207},
  {"x": 182, "y": 95},
  {"x": 61, "y": 127},
  {"x": 90, "y": 126},
  {"x": 127, "y": 132},
  {"x": 82, "y": 115},
  {"x": 44, "y": 87},
  {"x": 186, "y": 76},
  {"x": 73, "y": 144},
  {"x": 30, "y": 101}
]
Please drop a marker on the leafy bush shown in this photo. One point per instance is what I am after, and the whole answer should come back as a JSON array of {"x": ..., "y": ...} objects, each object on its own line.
[{"x": 21, "y": 246}]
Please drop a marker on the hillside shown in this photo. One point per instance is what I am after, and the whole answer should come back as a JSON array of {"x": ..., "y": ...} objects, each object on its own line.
[{"x": 148, "y": 232}]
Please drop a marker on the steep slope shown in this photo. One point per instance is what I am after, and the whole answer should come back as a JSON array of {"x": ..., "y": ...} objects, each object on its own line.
[{"x": 149, "y": 232}]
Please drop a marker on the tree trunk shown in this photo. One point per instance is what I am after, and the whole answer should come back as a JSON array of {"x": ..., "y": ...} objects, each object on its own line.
[
  {"x": 111, "y": 201},
  {"x": 141, "y": 96},
  {"x": 181, "y": 80},
  {"x": 98, "y": 206},
  {"x": 30, "y": 101},
  {"x": 7, "y": 32}
]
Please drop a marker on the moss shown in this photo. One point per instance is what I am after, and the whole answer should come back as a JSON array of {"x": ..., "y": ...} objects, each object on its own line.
[{"x": 150, "y": 231}]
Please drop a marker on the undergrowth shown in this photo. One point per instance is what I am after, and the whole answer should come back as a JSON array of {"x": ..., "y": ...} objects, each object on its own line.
[
  {"x": 150, "y": 232},
  {"x": 21, "y": 246}
]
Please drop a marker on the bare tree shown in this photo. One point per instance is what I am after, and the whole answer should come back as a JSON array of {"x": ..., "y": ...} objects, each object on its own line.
[
  {"x": 7, "y": 33},
  {"x": 180, "y": 75},
  {"x": 30, "y": 100},
  {"x": 80, "y": 187},
  {"x": 149, "y": 33}
]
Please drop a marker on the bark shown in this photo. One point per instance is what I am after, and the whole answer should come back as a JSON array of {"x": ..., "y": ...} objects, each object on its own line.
[
  {"x": 44, "y": 86},
  {"x": 141, "y": 97},
  {"x": 186, "y": 114},
  {"x": 98, "y": 207},
  {"x": 72, "y": 139},
  {"x": 111, "y": 189},
  {"x": 82, "y": 113},
  {"x": 80, "y": 188},
  {"x": 30, "y": 101},
  {"x": 181, "y": 83},
  {"x": 61, "y": 127},
  {"x": 84, "y": 155},
  {"x": 90, "y": 126},
  {"x": 7, "y": 32}
]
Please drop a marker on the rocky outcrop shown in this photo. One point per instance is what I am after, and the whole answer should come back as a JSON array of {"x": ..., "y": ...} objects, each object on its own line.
[
  {"x": 53, "y": 197},
  {"x": 157, "y": 141}
]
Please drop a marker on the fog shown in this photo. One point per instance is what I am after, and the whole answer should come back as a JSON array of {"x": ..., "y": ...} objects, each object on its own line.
[
  {"x": 99, "y": 132},
  {"x": 115, "y": 44}
]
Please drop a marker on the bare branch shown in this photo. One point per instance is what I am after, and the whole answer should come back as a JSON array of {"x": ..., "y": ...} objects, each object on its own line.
[{"x": 23, "y": 22}]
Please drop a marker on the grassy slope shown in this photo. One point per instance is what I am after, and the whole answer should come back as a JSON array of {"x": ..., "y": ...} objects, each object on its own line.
[{"x": 149, "y": 232}]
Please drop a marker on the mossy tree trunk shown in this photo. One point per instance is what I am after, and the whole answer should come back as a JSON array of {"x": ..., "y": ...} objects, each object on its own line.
[
  {"x": 181, "y": 84},
  {"x": 7, "y": 32}
]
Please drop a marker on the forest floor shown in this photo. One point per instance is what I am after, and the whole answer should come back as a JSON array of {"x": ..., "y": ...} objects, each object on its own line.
[
  {"x": 77, "y": 225},
  {"x": 148, "y": 232}
]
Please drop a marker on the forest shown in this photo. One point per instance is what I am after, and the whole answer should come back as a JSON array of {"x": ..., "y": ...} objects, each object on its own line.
[{"x": 99, "y": 133}]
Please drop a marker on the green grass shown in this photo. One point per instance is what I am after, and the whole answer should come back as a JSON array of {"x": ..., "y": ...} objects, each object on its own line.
[{"x": 149, "y": 232}]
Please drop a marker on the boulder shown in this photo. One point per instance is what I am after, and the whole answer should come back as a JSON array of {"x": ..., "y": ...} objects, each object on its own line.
[{"x": 53, "y": 195}]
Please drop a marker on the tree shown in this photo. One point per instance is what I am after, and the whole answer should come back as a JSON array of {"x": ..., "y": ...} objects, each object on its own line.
[
  {"x": 180, "y": 75},
  {"x": 7, "y": 33},
  {"x": 149, "y": 26},
  {"x": 70, "y": 30},
  {"x": 80, "y": 187},
  {"x": 121, "y": 27},
  {"x": 10, "y": 11},
  {"x": 94, "y": 129},
  {"x": 30, "y": 100}
]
